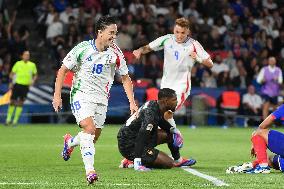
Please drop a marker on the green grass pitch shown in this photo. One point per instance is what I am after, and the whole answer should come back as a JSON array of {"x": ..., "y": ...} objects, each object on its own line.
[{"x": 30, "y": 158}]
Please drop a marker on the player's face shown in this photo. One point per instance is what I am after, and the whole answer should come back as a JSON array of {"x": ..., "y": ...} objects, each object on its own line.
[
  {"x": 180, "y": 33},
  {"x": 170, "y": 104},
  {"x": 26, "y": 56},
  {"x": 272, "y": 61},
  {"x": 108, "y": 35}
]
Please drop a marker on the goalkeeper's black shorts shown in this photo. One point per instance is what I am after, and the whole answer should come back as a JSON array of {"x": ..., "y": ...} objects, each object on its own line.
[{"x": 126, "y": 147}]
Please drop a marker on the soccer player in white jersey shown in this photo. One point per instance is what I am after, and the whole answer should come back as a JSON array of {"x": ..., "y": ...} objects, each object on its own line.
[
  {"x": 94, "y": 63},
  {"x": 180, "y": 54}
]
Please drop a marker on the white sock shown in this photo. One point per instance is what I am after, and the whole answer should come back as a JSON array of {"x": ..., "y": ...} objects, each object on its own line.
[
  {"x": 179, "y": 160},
  {"x": 74, "y": 141},
  {"x": 87, "y": 148},
  {"x": 172, "y": 122},
  {"x": 263, "y": 164}
]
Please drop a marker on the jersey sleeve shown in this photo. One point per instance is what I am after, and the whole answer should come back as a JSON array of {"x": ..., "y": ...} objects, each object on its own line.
[
  {"x": 15, "y": 68},
  {"x": 201, "y": 53},
  {"x": 120, "y": 61},
  {"x": 278, "y": 114},
  {"x": 34, "y": 69},
  {"x": 71, "y": 59},
  {"x": 159, "y": 43}
]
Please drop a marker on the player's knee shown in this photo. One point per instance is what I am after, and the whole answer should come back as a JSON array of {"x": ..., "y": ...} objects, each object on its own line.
[{"x": 169, "y": 165}]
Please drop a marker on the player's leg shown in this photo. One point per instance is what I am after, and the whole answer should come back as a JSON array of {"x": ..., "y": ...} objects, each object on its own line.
[
  {"x": 163, "y": 137},
  {"x": 154, "y": 158},
  {"x": 277, "y": 162},
  {"x": 126, "y": 147},
  {"x": 87, "y": 147},
  {"x": 12, "y": 105},
  {"x": 10, "y": 112},
  {"x": 19, "y": 105},
  {"x": 259, "y": 141}
]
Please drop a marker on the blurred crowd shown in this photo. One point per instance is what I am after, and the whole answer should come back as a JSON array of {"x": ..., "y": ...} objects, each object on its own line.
[{"x": 239, "y": 34}]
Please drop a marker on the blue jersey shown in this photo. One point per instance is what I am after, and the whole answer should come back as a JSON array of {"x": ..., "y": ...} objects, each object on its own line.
[{"x": 279, "y": 114}]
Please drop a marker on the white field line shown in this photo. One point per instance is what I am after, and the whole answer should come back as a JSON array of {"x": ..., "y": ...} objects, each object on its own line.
[
  {"x": 214, "y": 180},
  {"x": 52, "y": 184}
]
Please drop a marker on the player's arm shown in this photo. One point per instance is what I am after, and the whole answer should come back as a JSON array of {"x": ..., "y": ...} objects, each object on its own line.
[
  {"x": 155, "y": 45},
  {"x": 278, "y": 114},
  {"x": 126, "y": 81},
  {"x": 142, "y": 50},
  {"x": 57, "y": 101},
  {"x": 69, "y": 62},
  {"x": 201, "y": 56},
  {"x": 128, "y": 87},
  {"x": 148, "y": 122},
  {"x": 35, "y": 76},
  {"x": 170, "y": 129},
  {"x": 260, "y": 77}
]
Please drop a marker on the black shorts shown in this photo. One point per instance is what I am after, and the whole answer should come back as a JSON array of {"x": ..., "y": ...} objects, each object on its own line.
[
  {"x": 126, "y": 147},
  {"x": 19, "y": 92},
  {"x": 272, "y": 100}
]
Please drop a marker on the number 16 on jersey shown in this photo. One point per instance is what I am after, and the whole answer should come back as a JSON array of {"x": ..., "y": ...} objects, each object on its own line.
[{"x": 98, "y": 68}]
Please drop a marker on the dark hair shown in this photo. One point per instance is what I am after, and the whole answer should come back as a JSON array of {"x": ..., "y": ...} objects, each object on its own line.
[
  {"x": 104, "y": 21},
  {"x": 166, "y": 93}
]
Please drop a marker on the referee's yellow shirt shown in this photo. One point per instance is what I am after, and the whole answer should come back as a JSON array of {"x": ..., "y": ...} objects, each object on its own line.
[{"x": 24, "y": 72}]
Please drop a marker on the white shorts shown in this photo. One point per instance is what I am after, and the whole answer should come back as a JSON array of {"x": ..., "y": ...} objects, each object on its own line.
[
  {"x": 182, "y": 92},
  {"x": 83, "y": 109}
]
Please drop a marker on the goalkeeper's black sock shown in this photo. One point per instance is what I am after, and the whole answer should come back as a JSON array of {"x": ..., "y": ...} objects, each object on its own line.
[{"x": 174, "y": 151}]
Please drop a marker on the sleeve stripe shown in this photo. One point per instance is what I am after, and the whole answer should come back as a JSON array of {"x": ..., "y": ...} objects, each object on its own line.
[{"x": 117, "y": 60}]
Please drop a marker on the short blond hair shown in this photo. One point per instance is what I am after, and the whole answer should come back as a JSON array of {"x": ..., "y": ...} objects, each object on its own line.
[{"x": 182, "y": 22}]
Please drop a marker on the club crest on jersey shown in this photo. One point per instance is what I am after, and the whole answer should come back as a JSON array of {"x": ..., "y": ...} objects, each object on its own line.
[{"x": 89, "y": 58}]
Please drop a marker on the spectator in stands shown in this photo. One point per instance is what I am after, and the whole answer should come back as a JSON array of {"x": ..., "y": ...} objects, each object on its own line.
[
  {"x": 60, "y": 5},
  {"x": 252, "y": 106},
  {"x": 270, "y": 77},
  {"x": 25, "y": 73},
  {"x": 4, "y": 73},
  {"x": 152, "y": 68},
  {"x": 208, "y": 80},
  {"x": 229, "y": 104}
]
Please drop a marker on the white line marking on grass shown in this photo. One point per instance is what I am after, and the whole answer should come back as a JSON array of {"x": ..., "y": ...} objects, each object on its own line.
[
  {"x": 214, "y": 180},
  {"x": 75, "y": 184}
]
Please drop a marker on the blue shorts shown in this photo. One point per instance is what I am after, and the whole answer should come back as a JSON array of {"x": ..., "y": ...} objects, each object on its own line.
[
  {"x": 278, "y": 163},
  {"x": 276, "y": 142}
]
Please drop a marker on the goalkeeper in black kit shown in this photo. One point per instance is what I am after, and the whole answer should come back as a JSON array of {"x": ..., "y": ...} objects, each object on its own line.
[{"x": 140, "y": 135}]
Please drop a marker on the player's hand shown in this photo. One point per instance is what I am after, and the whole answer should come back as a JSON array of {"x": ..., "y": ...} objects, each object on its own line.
[
  {"x": 133, "y": 108},
  {"x": 168, "y": 115},
  {"x": 10, "y": 86},
  {"x": 177, "y": 138},
  {"x": 193, "y": 55},
  {"x": 57, "y": 103},
  {"x": 137, "y": 53},
  {"x": 252, "y": 152},
  {"x": 138, "y": 165}
]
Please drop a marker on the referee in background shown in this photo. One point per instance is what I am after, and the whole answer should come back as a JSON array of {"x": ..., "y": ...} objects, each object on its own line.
[{"x": 23, "y": 75}]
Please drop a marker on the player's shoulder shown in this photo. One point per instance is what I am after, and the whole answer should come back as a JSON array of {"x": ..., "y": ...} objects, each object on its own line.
[
  {"x": 83, "y": 44},
  {"x": 151, "y": 106},
  {"x": 191, "y": 40},
  {"x": 32, "y": 63},
  {"x": 115, "y": 48}
]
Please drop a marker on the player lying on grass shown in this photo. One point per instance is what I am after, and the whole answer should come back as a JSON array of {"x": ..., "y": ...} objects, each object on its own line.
[
  {"x": 140, "y": 135},
  {"x": 264, "y": 138}
]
